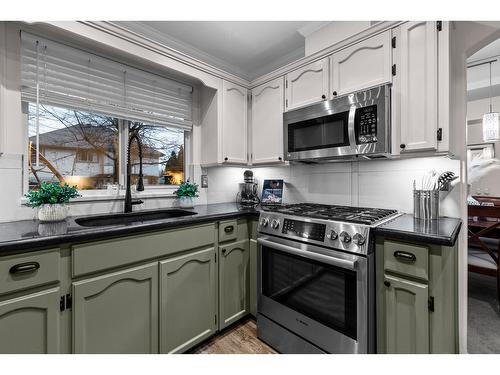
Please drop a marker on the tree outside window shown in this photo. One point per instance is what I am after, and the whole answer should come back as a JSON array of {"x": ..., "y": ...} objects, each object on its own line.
[{"x": 83, "y": 149}]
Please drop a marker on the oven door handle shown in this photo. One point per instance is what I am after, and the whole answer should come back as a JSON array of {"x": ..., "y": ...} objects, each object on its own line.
[{"x": 334, "y": 261}]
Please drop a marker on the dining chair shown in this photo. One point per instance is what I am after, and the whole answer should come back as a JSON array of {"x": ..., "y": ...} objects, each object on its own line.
[{"x": 484, "y": 242}]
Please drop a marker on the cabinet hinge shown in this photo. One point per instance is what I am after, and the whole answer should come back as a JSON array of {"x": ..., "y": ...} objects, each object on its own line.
[
  {"x": 440, "y": 134},
  {"x": 215, "y": 319},
  {"x": 286, "y": 103},
  {"x": 65, "y": 302},
  {"x": 286, "y": 84},
  {"x": 439, "y": 25},
  {"x": 430, "y": 304},
  {"x": 62, "y": 303},
  {"x": 394, "y": 69},
  {"x": 215, "y": 256},
  {"x": 393, "y": 42}
]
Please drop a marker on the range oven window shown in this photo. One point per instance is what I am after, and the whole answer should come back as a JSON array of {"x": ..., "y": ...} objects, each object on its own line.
[
  {"x": 318, "y": 133},
  {"x": 322, "y": 292}
]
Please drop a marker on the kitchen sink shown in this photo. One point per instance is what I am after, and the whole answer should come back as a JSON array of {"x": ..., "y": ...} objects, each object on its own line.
[{"x": 131, "y": 217}]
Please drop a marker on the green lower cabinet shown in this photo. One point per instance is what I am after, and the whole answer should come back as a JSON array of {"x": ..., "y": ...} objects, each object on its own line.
[
  {"x": 253, "y": 277},
  {"x": 234, "y": 282},
  {"x": 416, "y": 297},
  {"x": 407, "y": 328},
  {"x": 117, "y": 312},
  {"x": 30, "y": 324},
  {"x": 188, "y": 300}
]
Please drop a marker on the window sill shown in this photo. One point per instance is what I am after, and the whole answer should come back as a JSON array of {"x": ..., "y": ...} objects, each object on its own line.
[{"x": 112, "y": 196}]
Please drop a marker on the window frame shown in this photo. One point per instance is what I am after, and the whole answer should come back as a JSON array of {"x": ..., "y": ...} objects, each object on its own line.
[{"x": 150, "y": 191}]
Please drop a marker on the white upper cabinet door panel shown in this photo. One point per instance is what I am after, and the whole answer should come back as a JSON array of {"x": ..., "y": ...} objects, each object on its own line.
[
  {"x": 307, "y": 85},
  {"x": 418, "y": 76},
  {"x": 234, "y": 124},
  {"x": 267, "y": 122},
  {"x": 362, "y": 65}
]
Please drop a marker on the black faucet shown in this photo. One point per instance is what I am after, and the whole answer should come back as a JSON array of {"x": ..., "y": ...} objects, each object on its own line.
[{"x": 140, "y": 184}]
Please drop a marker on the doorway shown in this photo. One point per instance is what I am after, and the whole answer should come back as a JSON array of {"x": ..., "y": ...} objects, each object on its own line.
[{"x": 483, "y": 200}]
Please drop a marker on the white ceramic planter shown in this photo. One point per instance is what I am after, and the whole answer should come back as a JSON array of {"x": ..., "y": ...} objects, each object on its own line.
[
  {"x": 186, "y": 202},
  {"x": 52, "y": 212}
]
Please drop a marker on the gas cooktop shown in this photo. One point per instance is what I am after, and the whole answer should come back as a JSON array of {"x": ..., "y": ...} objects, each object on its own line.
[{"x": 359, "y": 215}]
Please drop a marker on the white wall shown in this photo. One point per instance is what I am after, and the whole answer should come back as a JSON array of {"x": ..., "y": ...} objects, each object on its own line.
[
  {"x": 332, "y": 33},
  {"x": 376, "y": 183}
]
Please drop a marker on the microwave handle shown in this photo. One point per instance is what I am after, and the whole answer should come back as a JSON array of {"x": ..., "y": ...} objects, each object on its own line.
[
  {"x": 351, "y": 126},
  {"x": 334, "y": 261}
]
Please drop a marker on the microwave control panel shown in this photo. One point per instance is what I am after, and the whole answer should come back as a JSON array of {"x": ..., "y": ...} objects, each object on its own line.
[{"x": 365, "y": 124}]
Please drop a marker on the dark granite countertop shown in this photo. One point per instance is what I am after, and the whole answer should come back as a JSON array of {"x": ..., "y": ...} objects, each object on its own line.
[
  {"x": 443, "y": 231},
  {"x": 30, "y": 235}
]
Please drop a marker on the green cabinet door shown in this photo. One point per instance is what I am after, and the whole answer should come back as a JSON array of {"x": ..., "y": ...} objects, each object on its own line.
[
  {"x": 188, "y": 300},
  {"x": 234, "y": 282},
  {"x": 117, "y": 312},
  {"x": 406, "y": 316},
  {"x": 30, "y": 324},
  {"x": 253, "y": 277}
]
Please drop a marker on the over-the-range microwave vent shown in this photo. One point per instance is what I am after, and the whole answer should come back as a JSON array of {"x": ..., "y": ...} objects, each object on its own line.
[{"x": 355, "y": 126}]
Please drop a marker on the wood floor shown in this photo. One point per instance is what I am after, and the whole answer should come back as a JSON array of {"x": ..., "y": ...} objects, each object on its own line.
[{"x": 238, "y": 339}]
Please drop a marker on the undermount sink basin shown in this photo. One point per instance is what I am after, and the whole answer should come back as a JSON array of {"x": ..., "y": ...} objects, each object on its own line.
[{"x": 131, "y": 217}]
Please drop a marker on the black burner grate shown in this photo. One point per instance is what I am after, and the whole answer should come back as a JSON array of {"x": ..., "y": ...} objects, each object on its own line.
[{"x": 361, "y": 215}]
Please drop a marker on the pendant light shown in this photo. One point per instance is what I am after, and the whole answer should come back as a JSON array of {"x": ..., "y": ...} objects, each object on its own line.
[{"x": 491, "y": 122}]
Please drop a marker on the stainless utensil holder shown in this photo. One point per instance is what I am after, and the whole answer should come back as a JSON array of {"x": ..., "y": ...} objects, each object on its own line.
[{"x": 426, "y": 204}]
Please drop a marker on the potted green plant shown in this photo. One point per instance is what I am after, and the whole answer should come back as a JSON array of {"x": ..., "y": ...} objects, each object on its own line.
[
  {"x": 186, "y": 192},
  {"x": 51, "y": 200}
]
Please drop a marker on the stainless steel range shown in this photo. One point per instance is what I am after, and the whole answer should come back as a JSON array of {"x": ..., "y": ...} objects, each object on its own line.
[{"x": 316, "y": 278}]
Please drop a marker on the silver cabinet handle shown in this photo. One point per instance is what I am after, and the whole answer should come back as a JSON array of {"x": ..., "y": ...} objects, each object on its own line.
[
  {"x": 24, "y": 268},
  {"x": 405, "y": 256}
]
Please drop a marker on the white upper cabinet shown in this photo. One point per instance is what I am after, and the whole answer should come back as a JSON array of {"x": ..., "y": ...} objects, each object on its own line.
[
  {"x": 307, "y": 85},
  {"x": 417, "y": 86},
  {"x": 267, "y": 122},
  {"x": 234, "y": 124},
  {"x": 362, "y": 65}
]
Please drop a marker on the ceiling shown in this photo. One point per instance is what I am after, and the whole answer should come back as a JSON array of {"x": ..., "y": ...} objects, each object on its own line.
[
  {"x": 247, "y": 49},
  {"x": 478, "y": 77}
]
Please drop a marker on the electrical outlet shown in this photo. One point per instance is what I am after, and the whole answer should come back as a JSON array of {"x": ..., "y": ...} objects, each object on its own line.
[{"x": 204, "y": 181}]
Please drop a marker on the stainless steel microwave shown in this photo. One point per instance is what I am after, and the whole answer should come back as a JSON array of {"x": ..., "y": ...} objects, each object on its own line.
[{"x": 349, "y": 126}]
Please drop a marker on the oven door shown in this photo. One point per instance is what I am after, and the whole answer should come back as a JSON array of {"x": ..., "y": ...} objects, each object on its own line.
[{"x": 318, "y": 294}]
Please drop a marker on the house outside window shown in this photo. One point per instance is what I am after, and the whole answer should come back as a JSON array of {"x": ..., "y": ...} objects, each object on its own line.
[{"x": 83, "y": 149}]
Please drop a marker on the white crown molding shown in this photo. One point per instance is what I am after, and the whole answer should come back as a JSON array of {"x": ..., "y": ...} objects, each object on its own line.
[
  {"x": 158, "y": 47},
  {"x": 143, "y": 41}
]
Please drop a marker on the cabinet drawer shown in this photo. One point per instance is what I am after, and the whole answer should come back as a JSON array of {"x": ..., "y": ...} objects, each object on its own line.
[
  {"x": 406, "y": 259},
  {"x": 102, "y": 255},
  {"x": 228, "y": 230},
  {"x": 23, "y": 272}
]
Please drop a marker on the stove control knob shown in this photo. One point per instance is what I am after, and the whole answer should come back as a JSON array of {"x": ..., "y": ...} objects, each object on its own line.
[
  {"x": 275, "y": 224},
  {"x": 333, "y": 235},
  {"x": 345, "y": 237},
  {"x": 358, "y": 239},
  {"x": 264, "y": 222}
]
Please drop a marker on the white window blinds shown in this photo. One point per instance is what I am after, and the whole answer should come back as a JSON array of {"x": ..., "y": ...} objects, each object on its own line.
[{"x": 64, "y": 76}]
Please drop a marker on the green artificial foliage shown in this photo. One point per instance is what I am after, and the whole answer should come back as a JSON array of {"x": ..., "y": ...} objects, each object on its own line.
[
  {"x": 187, "y": 189},
  {"x": 51, "y": 193}
]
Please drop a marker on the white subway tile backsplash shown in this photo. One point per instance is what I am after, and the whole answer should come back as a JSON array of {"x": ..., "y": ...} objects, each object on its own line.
[{"x": 375, "y": 183}]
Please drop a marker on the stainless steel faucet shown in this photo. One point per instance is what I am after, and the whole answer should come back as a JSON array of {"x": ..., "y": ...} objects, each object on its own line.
[{"x": 140, "y": 184}]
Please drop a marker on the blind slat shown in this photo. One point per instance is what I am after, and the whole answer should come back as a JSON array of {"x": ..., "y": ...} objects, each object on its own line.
[{"x": 76, "y": 79}]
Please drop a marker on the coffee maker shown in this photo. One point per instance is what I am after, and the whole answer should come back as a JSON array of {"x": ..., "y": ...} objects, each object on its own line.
[{"x": 247, "y": 195}]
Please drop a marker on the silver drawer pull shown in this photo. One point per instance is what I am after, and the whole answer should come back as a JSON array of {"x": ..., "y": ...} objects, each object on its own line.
[
  {"x": 229, "y": 229},
  {"x": 405, "y": 256},
  {"x": 24, "y": 268}
]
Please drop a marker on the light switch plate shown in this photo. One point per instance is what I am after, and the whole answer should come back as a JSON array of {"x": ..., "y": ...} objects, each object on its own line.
[{"x": 204, "y": 181}]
